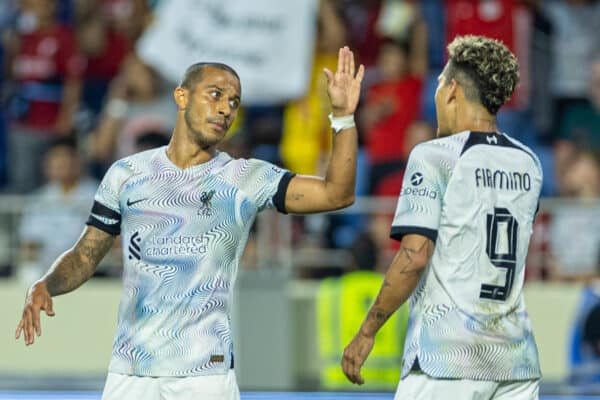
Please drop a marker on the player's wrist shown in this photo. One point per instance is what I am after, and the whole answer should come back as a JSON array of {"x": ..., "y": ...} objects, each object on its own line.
[
  {"x": 341, "y": 122},
  {"x": 366, "y": 333},
  {"x": 37, "y": 286}
]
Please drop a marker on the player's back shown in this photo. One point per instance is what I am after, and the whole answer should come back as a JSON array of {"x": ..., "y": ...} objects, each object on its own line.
[{"x": 468, "y": 318}]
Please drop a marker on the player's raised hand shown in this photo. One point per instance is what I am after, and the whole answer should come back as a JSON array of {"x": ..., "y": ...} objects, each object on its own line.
[
  {"x": 343, "y": 87},
  {"x": 355, "y": 355},
  {"x": 38, "y": 298}
]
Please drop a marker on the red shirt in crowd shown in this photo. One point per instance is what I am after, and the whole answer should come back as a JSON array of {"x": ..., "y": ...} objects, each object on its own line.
[
  {"x": 106, "y": 65},
  {"x": 45, "y": 59},
  {"x": 385, "y": 140}
]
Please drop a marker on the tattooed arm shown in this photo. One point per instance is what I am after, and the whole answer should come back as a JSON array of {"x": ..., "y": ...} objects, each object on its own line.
[
  {"x": 400, "y": 280},
  {"x": 68, "y": 272}
]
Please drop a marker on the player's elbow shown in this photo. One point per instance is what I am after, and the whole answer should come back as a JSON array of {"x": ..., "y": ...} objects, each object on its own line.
[
  {"x": 420, "y": 262},
  {"x": 343, "y": 201}
]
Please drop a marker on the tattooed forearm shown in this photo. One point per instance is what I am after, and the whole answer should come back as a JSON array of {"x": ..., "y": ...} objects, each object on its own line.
[
  {"x": 78, "y": 264},
  {"x": 409, "y": 253},
  {"x": 297, "y": 196},
  {"x": 400, "y": 280}
]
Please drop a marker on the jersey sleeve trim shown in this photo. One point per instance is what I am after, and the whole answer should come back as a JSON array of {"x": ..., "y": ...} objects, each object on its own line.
[
  {"x": 279, "y": 197},
  {"x": 398, "y": 232},
  {"x": 105, "y": 219}
]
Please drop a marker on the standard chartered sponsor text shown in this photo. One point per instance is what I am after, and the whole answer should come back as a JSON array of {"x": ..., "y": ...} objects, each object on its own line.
[{"x": 176, "y": 245}]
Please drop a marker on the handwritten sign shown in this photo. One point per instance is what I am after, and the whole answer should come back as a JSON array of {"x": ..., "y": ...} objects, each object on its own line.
[{"x": 268, "y": 42}]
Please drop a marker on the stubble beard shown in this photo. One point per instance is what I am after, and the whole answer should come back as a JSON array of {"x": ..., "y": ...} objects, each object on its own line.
[{"x": 197, "y": 136}]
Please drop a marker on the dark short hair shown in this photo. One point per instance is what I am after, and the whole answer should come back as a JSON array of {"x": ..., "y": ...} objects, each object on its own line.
[
  {"x": 193, "y": 74},
  {"x": 152, "y": 139},
  {"x": 402, "y": 45},
  {"x": 68, "y": 141},
  {"x": 485, "y": 68}
]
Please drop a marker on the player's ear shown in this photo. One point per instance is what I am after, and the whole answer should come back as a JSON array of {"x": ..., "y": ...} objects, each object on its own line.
[
  {"x": 452, "y": 92},
  {"x": 181, "y": 97}
]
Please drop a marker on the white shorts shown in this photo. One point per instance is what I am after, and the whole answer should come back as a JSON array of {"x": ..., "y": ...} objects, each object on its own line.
[
  {"x": 210, "y": 387},
  {"x": 418, "y": 386}
]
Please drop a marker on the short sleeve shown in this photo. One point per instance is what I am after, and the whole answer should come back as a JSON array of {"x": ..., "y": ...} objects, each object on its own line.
[
  {"x": 420, "y": 203},
  {"x": 106, "y": 211},
  {"x": 267, "y": 185}
]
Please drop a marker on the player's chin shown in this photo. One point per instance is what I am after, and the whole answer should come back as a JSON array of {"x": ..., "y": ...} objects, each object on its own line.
[{"x": 211, "y": 138}]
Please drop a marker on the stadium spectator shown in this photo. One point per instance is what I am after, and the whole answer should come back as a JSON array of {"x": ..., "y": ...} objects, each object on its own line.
[
  {"x": 360, "y": 19},
  {"x": 306, "y": 140},
  {"x": 137, "y": 103},
  {"x": 128, "y": 17},
  {"x": 47, "y": 68},
  {"x": 64, "y": 201},
  {"x": 581, "y": 124},
  {"x": 105, "y": 49},
  {"x": 575, "y": 257},
  {"x": 390, "y": 107},
  {"x": 573, "y": 21},
  {"x": 390, "y": 184}
]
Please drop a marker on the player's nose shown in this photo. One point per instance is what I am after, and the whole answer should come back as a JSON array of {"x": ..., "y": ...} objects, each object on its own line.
[{"x": 224, "y": 108}]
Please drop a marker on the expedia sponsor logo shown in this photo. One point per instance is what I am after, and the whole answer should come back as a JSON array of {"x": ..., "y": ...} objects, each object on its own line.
[
  {"x": 416, "y": 179},
  {"x": 422, "y": 192}
]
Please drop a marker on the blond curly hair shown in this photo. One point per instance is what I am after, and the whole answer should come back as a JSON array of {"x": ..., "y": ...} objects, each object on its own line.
[{"x": 485, "y": 68}]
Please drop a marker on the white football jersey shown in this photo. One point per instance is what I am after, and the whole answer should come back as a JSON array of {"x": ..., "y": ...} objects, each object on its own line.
[
  {"x": 183, "y": 233},
  {"x": 475, "y": 195}
]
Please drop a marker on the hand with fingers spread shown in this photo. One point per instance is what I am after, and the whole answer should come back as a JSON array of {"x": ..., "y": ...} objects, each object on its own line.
[
  {"x": 38, "y": 298},
  {"x": 355, "y": 355},
  {"x": 343, "y": 87}
]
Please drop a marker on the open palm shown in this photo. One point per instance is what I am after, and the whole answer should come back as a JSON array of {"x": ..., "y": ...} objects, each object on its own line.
[{"x": 343, "y": 87}]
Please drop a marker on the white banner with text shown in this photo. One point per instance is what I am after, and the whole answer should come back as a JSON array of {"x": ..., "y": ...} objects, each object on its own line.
[{"x": 268, "y": 42}]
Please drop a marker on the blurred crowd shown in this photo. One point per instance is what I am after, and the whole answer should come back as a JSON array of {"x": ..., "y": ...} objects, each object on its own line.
[{"x": 76, "y": 97}]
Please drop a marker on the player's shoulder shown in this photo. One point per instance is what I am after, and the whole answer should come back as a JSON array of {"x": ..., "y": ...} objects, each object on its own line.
[
  {"x": 135, "y": 164},
  {"x": 248, "y": 166},
  {"x": 448, "y": 147},
  {"x": 138, "y": 162},
  {"x": 519, "y": 145}
]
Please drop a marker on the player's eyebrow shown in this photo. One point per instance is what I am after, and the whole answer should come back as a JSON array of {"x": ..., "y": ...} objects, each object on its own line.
[{"x": 237, "y": 97}]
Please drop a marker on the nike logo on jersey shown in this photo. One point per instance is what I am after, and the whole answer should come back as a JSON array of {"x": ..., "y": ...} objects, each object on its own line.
[{"x": 130, "y": 203}]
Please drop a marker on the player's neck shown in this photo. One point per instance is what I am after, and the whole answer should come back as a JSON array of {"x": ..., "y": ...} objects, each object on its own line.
[
  {"x": 476, "y": 118},
  {"x": 185, "y": 154}
]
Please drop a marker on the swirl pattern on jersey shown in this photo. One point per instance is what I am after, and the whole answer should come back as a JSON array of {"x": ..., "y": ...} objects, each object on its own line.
[
  {"x": 454, "y": 331},
  {"x": 183, "y": 232}
]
